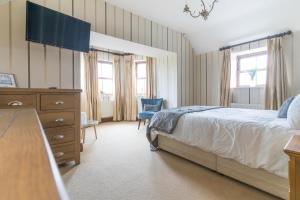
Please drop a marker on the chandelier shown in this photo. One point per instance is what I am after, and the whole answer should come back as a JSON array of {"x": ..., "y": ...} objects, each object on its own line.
[{"x": 204, "y": 12}]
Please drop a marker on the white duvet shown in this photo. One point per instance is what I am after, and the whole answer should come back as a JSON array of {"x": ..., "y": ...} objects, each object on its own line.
[{"x": 255, "y": 138}]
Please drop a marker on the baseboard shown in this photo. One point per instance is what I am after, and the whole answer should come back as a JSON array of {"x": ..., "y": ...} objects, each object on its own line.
[
  {"x": 106, "y": 119},
  {"x": 110, "y": 119}
]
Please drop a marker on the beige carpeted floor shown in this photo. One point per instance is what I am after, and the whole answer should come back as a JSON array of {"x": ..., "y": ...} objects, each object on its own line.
[{"x": 119, "y": 166}]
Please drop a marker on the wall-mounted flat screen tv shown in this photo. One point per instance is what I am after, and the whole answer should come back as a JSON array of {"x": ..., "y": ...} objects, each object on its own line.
[{"x": 50, "y": 27}]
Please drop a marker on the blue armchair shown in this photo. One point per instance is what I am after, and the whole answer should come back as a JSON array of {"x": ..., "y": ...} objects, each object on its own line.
[{"x": 149, "y": 108}]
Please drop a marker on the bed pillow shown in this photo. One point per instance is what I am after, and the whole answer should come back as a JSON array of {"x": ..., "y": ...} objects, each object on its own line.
[
  {"x": 285, "y": 107},
  {"x": 293, "y": 115},
  {"x": 153, "y": 108}
]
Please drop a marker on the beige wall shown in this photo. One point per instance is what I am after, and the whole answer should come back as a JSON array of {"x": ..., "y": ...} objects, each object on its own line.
[
  {"x": 296, "y": 59},
  {"x": 207, "y": 69},
  {"x": 166, "y": 80},
  {"x": 35, "y": 65},
  {"x": 207, "y": 78},
  {"x": 39, "y": 66}
]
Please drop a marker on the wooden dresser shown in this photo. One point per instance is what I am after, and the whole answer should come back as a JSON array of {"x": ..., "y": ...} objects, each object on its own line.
[
  {"x": 293, "y": 150},
  {"x": 27, "y": 166},
  {"x": 59, "y": 113}
]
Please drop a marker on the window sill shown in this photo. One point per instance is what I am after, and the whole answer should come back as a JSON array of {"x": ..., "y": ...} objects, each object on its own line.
[
  {"x": 247, "y": 87},
  {"x": 107, "y": 99}
]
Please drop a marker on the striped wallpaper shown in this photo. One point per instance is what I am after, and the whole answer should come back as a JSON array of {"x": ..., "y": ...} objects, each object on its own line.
[
  {"x": 207, "y": 69},
  {"x": 38, "y": 66}
]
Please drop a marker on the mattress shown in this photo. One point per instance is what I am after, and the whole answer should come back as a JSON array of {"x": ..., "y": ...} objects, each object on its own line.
[{"x": 255, "y": 138}]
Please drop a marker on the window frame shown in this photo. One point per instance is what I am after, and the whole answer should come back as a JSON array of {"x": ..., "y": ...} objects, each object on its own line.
[
  {"x": 140, "y": 78},
  {"x": 105, "y": 78},
  {"x": 238, "y": 71}
]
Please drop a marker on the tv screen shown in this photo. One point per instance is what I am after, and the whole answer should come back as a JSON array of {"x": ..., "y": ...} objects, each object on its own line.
[{"x": 50, "y": 27}]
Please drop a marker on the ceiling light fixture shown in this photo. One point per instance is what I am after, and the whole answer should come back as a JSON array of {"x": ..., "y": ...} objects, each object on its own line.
[{"x": 204, "y": 12}]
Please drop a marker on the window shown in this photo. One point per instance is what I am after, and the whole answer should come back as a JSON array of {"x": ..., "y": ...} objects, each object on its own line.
[
  {"x": 252, "y": 69},
  {"x": 141, "y": 78},
  {"x": 105, "y": 78}
]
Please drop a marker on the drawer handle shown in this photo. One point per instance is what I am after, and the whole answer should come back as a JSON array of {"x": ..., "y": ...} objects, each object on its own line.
[
  {"x": 59, "y": 103},
  {"x": 60, "y": 120},
  {"x": 58, "y": 137},
  {"x": 59, "y": 154},
  {"x": 15, "y": 103}
]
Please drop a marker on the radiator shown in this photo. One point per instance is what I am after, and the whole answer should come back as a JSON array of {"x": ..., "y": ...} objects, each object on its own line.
[{"x": 248, "y": 106}]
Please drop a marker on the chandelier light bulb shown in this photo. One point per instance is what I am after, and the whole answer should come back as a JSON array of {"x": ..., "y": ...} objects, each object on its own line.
[{"x": 204, "y": 13}]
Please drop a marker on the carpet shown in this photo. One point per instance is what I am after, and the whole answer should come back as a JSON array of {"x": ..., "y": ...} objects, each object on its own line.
[{"x": 120, "y": 166}]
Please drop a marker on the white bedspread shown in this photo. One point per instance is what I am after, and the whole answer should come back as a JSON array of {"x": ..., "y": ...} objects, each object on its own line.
[{"x": 252, "y": 137}]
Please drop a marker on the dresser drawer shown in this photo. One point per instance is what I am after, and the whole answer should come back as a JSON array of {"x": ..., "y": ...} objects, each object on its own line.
[
  {"x": 57, "y": 119},
  {"x": 17, "y": 101},
  {"x": 57, "y": 102},
  {"x": 63, "y": 153},
  {"x": 60, "y": 135}
]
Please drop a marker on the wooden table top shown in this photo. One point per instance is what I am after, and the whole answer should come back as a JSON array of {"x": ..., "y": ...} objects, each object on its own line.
[
  {"x": 27, "y": 166},
  {"x": 293, "y": 146}
]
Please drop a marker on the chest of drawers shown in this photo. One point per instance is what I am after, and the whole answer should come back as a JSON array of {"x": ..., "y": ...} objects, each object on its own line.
[
  {"x": 292, "y": 149},
  {"x": 59, "y": 114}
]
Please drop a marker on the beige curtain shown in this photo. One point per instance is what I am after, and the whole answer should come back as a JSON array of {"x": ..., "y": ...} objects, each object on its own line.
[
  {"x": 91, "y": 97},
  {"x": 130, "y": 107},
  {"x": 225, "y": 95},
  {"x": 151, "y": 86},
  {"x": 117, "y": 110},
  {"x": 276, "y": 86}
]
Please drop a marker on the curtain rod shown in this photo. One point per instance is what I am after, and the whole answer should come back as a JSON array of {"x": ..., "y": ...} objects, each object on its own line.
[
  {"x": 264, "y": 38},
  {"x": 117, "y": 54}
]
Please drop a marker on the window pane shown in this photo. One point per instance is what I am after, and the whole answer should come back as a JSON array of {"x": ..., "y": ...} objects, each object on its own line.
[
  {"x": 262, "y": 62},
  {"x": 247, "y": 63},
  {"x": 245, "y": 79},
  {"x": 253, "y": 70},
  {"x": 141, "y": 70},
  {"x": 141, "y": 86},
  {"x": 105, "y": 70},
  {"x": 106, "y": 86},
  {"x": 261, "y": 77}
]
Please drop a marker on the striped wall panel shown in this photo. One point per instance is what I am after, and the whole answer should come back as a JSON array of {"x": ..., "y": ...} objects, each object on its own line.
[
  {"x": 40, "y": 66},
  {"x": 19, "y": 47},
  {"x": 207, "y": 69},
  {"x": 206, "y": 78}
]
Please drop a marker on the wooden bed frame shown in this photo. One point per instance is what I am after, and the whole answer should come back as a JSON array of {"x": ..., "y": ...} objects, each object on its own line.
[{"x": 258, "y": 178}]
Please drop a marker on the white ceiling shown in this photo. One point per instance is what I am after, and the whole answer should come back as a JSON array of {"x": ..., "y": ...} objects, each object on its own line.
[{"x": 231, "y": 21}]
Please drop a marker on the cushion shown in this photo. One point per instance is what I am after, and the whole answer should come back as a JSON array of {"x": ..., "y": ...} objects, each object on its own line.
[
  {"x": 285, "y": 107},
  {"x": 153, "y": 108},
  {"x": 83, "y": 118},
  {"x": 146, "y": 115},
  {"x": 293, "y": 115}
]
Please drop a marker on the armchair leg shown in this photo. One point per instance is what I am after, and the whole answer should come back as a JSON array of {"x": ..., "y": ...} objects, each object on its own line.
[
  {"x": 95, "y": 129},
  {"x": 139, "y": 124}
]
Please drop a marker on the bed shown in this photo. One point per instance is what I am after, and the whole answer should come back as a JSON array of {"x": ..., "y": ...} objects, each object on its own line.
[{"x": 244, "y": 144}]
